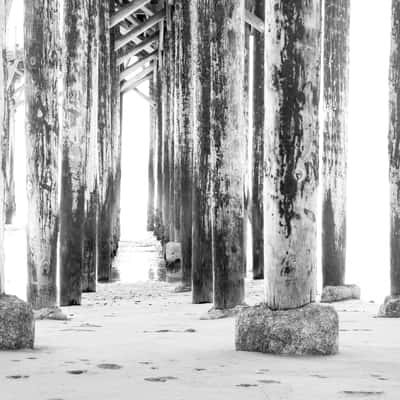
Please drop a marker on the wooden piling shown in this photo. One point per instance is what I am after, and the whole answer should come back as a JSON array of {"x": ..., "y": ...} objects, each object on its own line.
[
  {"x": 116, "y": 132},
  {"x": 74, "y": 140},
  {"x": 227, "y": 150},
  {"x": 257, "y": 170},
  {"x": 104, "y": 147},
  {"x": 334, "y": 158},
  {"x": 9, "y": 151},
  {"x": 186, "y": 147},
  {"x": 293, "y": 43},
  {"x": 41, "y": 34},
  {"x": 90, "y": 245},
  {"x": 151, "y": 160},
  {"x": 2, "y": 112},
  {"x": 394, "y": 150},
  {"x": 202, "y": 276},
  {"x": 159, "y": 136}
]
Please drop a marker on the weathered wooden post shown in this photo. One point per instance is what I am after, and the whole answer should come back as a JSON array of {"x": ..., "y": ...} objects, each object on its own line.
[
  {"x": 159, "y": 136},
  {"x": 74, "y": 138},
  {"x": 9, "y": 150},
  {"x": 115, "y": 138},
  {"x": 90, "y": 244},
  {"x": 257, "y": 171},
  {"x": 42, "y": 139},
  {"x": 334, "y": 157},
  {"x": 391, "y": 306},
  {"x": 186, "y": 141},
  {"x": 104, "y": 233},
  {"x": 2, "y": 114},
  {"x": 151, "y": 161},
  {"x": 166, "y": 85},
  {"x": 228, "y": 143},
  {"x": 202, "y": 276},
  {"x": 292, "y": 82}
]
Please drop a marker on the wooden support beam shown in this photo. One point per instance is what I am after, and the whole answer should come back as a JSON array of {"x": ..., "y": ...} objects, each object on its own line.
[
  {"x": 90, "y": 240},
  {"x": 291, "y": 181},
  {"x": 151, "y": 158},
  {"x": 254, "y": 21},
  {"x": 227, "y": 151},
  {"x": 334, "y": 160},
  {"x": 394, "y": 155},
  {"x": 185, "y": 118},
  {"x": 132, "y": 83},
  {"x": 257, "y": 170},
  {"x": 2, "y": 113},
  {"x": 74, "y": 139},
  {"x": 42, "y": 122},
  {"x": 145, "y": 97},
  {"x": 135, "y": 32},
  {"x": 104, "y": 232},
  {"x": 137, "y": 65},
  {"x": 202, "y": 276},
  {"x": 141, "y": 46},
  {"x": 126, "y": 11}
]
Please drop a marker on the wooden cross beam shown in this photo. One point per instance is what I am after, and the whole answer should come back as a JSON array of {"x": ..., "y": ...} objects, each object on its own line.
[
  {"x": 135, "y": 32},
  {"x": 144, "y": 96},
  {"x": 126, "y": 11},
  {"x": 137, "y": 65},
  {"x": 254, "y": 21},
  {"x": 144, "y": 45},
  {"x": 141, "y": 77}
]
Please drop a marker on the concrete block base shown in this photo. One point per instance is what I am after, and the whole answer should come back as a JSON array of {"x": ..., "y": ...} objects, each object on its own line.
[
  {"x": 331, "y": 294},
  {"x": 312, "y": 329},
  {"x": 390, "y": 308},
  {"x": 17, "y": 325}
]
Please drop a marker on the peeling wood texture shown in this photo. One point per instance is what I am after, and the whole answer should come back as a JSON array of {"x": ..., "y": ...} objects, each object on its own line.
[
  {"x": 74, "y": 140},
  {"x": 334, "y": 158},
  {"x": 257, "y": 170},
  {"x": 159, "y": 169},
  {"x": 394, "y": 150},
  {"x": 2, "y": 114},
  {"x": 202, "y": 275},
  {"x": 228, "y": 143},
  {"x": 186, "y": 145},
  {"x": 90, "y": 244},
  {"x": 115, "y": 139},
  {"x": 42, "y": 138},
  {"x": 104, "y": 147},
  {"x": 166, "y": 79},
  {"x": 8, "y": 154},
  {"x": 151, "y": 161},
  {"x": 177, "y": 110},
  {"x": 293, "y": 43}
]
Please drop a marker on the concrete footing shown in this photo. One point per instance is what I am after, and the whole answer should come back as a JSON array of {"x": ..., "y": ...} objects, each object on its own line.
[
  {"x": 331, "y": 294},
  {"x": 53, "y": 313},
  {"x": 215, "y": 313},
  {"x": 173, "y": 258},
  {"x": 390, "y": 308},
  {"x": 312, "y": 329},
  {"x": 17, "y": 325}
]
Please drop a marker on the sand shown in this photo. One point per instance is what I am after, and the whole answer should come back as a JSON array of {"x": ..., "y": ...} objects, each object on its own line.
[{"x": 137, "y": 338}]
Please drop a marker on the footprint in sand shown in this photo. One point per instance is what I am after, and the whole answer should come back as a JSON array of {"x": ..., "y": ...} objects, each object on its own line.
[
  {"x": 200, "y": 369},
  {"x": 360, "y": 394},
  {"x": 379, "y": 377},
  {"x": 145, "y": 362},
  {"x": 269, "y": 381},
  {"x": 319, "y": 376},
  {"x": 77, "y": 371},
  {"x": 31, "y": 358},
  {"x": 262, "y": 371},
  {"x": 246, "y": 385},
  {"x": 162, "y": 379},
  {"x": 17, "y": 376},
  {"x": 109, "y": 366}
]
